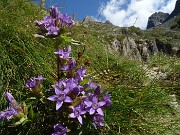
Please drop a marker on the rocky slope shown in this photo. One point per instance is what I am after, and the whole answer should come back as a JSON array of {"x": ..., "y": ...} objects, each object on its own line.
[{"x": 133, "y": 42}]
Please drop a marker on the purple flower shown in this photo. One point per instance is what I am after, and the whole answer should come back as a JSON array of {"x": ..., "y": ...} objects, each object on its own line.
[
  {"x": 107, "y": 100},
  {"x": 61, "y": 84},
  {"x": 97, "y": 91},
  {"x": 54, "y": 12},
  {"x": 71, "y": 65},
  {"x": 66, "y": 20},
  {"x": 92, "y": 85},
  {"x": 59, "y": 130},
  {"x": 80, "y": 74},
  {"x": 8, "y": 114},
  {"x": 71, "y": 83},
  {"x": 94, "y": 105},
  {"x": 77, "y": 112},
  {"x": 52, "y": 24},
  {"x": 98, "y": 120},
  {"x": 64, "y": 53},
  {"x": 60, "y": 97},
  {"x": 10, "y": 99},
  {"x": 74, "y": 92},
  {"x": 46, "y": 25},
  {"x": 31, "y": 83},
  {"x": 52, "y": 30},
  {"x": 39, "y": 79}
]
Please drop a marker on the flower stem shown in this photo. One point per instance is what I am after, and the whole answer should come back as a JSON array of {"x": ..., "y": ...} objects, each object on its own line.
[{"x": 58, "y": 58}]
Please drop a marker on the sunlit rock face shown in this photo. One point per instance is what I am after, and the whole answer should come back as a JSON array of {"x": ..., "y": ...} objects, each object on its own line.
[{"x": 156, "y": 19}]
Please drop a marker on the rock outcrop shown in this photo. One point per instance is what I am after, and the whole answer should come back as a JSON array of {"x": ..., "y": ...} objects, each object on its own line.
[
  {"x": 88, "y": 19},
  {"x": 108, "y": 22},
  {"x": 156, "y": 19},
  {"x": 141, "y": 49}
]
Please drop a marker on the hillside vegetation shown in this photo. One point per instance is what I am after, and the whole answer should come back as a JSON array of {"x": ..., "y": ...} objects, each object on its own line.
[{"x": 145, "y": 95}]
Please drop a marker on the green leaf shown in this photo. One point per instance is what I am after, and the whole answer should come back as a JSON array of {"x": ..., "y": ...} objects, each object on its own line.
[
  {"x": 66, "y": 39},
  {"x": 32, "y": 98},
  {"x": 20, "y": 121},
  {"x": 25, "y": 109},
  {"x": 38, "y": 36},
  {"x": 31, "y": 113},
  {"x": 85, "y": 81},
  {"x": 75, "y": 42}
]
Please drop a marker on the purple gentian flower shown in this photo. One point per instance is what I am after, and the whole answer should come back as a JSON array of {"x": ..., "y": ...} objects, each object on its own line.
[
  {"x": 97, "y": 91},
  {"x": 71, "y": 65},
  {"x": 75, "y": 92},
  {"x": 66, "y": 20},
  {"x": 31, "y": 83},
  {"x": 98, "y": 120},
  {"x": 54, "y": 12},
  {"x": 91, "y": 84},
  {"x": 52, "y": 24},
  {"x": 10, "y": 99},
  {"x": 77, "y": 112},
  {"x": 8, "y": 114},
  {"x": 61, "y": 84},
  {"x": 45, "y": 25},
  {"x": 80, "y": 74},
  {"x": 60, "y": 97},
  {"x": 59, "y": 130},
  {"x": 39, "y": 79},
  {"x": 64, "y": 53},
  {"x": 107, "y": 100},
  {"x": 94, "y": 105},
  {"x": 52, "y": 30},
  {"x": 71, "y": 83}
]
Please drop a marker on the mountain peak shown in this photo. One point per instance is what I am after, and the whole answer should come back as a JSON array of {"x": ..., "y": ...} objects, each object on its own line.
[
  {"x": 175, "y": 12},
  {"x": 164, "y": 20},
  {"x": 88, "y": 19},
  {"x": 156, "y": 19}
]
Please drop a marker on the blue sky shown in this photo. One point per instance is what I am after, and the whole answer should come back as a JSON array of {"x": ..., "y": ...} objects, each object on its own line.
[
  {"x": 123, "y": 13},
  {"x": 81, "y": 8}
]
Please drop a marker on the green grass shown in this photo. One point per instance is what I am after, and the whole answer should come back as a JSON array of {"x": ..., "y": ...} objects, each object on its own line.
[{"x": 137, "y": 108}]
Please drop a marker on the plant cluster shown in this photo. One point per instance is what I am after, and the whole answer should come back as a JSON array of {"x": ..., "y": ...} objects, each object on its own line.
[{"x": 78, "y": 99}]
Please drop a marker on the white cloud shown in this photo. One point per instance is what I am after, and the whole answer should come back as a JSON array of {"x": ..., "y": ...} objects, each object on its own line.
[{"x": 127, "y": 12}]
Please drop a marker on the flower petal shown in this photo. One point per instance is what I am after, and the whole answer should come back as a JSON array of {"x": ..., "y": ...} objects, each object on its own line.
[
  {"x": 88, "y": 103},
  {"x": 95, "y": 99},
  {"x": 67, "y": 99},
  {"x": 58, "y": 105},
  {"x": 79, "y": 119},
  {"x": 83, "y": 112},
  {"x": 101, "y": 124},
  {"x": 57, "y": 91},
  {"x": 101, "y": 103},
  {"x": 100, "y": 111},
  {"x": 66, "y": 90},
  {"x": 72, "y": 115},
  {"x": 91, "y": 111},
  {"x": 53, "y": 98}
]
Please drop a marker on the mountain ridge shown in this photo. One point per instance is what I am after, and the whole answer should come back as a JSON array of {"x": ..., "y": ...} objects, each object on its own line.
[{"x": 162, "y": 20}]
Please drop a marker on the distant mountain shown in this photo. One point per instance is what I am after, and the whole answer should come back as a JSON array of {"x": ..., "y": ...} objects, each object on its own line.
[
  {"x": 156, "y": 19},
  {"x": 163, "y": 20},
  {"x": 175, "y": 12}
]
